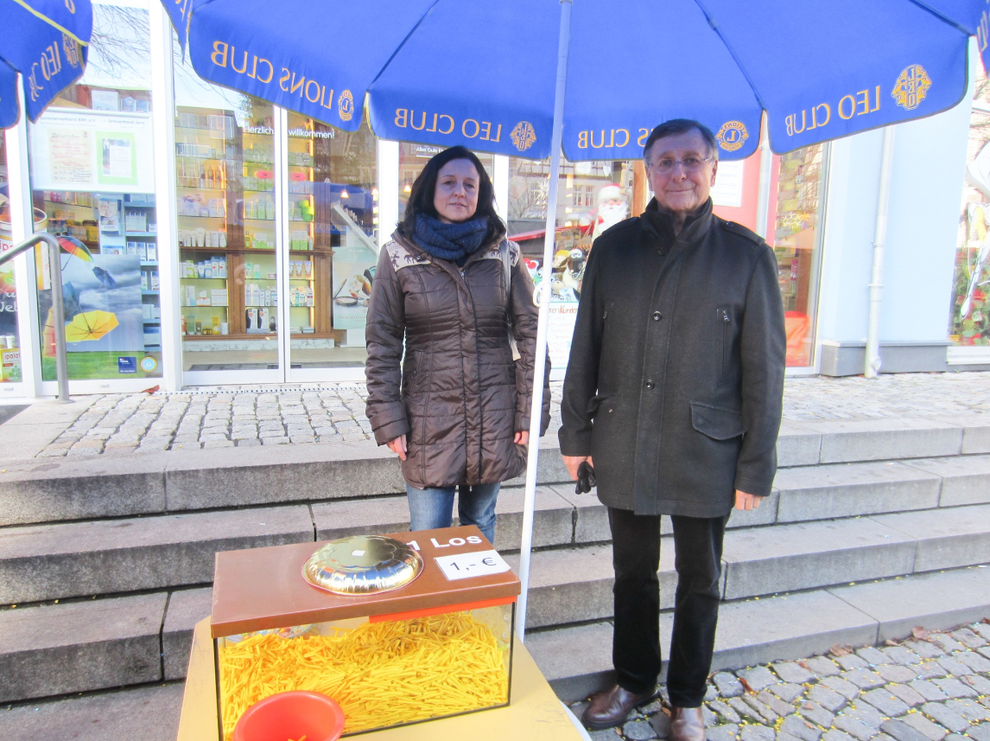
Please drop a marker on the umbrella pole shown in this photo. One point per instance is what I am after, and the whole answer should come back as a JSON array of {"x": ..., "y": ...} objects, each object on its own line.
[
  {"x": 872, "y": 368},
  {"x": 543, "y": 300}
]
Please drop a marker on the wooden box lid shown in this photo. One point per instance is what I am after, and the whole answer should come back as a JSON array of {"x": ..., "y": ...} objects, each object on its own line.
[{"x": 263, "y": 588}]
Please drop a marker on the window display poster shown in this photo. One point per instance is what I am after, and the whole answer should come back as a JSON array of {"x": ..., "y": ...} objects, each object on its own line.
[
  {"x": 560, "y": 331},
  {"x": 105, "y": 100},
  {"x": 103, "y": 304},
  {"x": 90, "y": 150},
  {"x": 8, "y": 303},
  {"x": 71, "y": 157},
  {"x": 109, "y": 215},
  {"x": 118, "y": 165}
]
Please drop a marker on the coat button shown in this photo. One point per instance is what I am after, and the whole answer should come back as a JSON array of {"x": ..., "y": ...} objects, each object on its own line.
[
  {"x": 657, "y": 316},
  {"x": 650, "y": 385}
]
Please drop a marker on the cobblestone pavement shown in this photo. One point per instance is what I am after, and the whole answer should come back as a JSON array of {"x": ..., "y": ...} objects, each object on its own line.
[
  {"x": 930, "y": 687},
  {"x": 265, "y": 415}
]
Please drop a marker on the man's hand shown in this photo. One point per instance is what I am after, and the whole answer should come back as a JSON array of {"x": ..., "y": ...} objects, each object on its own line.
[
  {"x": 398, "y": 446},
  {"x": 522, "y": 437},
  {"x": 573, "y": 461},
  {"x": 747, "y": 501}
]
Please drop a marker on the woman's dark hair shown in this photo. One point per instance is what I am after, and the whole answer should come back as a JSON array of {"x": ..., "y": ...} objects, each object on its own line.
[{"x": 424, "y": 189}]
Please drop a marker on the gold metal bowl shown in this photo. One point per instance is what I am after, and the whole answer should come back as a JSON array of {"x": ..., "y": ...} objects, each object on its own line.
[{"x": 363, "y": 564}]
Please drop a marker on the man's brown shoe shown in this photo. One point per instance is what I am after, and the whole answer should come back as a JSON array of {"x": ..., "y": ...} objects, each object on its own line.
[
  {"x": 610, "y": 708},
  {"x": 686, "y": 724}
]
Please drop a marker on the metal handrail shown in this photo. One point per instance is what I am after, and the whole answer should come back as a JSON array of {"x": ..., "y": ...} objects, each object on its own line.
[{"x": 55, "y": 263}]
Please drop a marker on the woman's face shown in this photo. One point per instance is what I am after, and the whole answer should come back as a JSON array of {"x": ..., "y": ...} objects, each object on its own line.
[{"x": 456, "y": 195}]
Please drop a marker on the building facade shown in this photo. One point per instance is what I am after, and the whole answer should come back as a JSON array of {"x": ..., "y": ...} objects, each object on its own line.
[{"x": 212, "y": 238}]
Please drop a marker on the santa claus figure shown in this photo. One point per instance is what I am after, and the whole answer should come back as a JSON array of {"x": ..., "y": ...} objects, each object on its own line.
[{"x": 612, "y": 208}]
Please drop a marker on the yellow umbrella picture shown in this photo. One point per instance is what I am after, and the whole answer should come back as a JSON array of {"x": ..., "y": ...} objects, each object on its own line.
[{"x": 90, "y": 325}]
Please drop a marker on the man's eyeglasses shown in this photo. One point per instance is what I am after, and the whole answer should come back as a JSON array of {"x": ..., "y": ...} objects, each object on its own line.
[{"x": 690, "y": 164}]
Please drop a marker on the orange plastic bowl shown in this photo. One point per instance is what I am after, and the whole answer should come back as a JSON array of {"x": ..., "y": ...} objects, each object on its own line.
[{"x": 291, "y": 715}]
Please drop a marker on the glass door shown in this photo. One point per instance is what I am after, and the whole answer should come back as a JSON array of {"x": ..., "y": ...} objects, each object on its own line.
[
  {"x": 332, "y": 247},
  {"x": 226, "y": 232}
]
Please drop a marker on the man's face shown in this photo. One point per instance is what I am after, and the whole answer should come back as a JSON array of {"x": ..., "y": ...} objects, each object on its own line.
[{"x": 677, "y": 185}]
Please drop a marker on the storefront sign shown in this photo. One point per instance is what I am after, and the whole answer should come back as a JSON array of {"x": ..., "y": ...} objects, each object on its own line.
[{"x": 92, "y": 151}]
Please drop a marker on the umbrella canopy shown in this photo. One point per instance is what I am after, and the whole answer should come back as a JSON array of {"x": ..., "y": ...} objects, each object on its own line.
[
  {"x": 447, "y": 72},
  {"x": 45, "y": 41},
  {"x": 90, "y": 325}
]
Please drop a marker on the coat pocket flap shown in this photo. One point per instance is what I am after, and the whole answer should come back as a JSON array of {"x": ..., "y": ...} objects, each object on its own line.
[{"x": 716, "y": 423}]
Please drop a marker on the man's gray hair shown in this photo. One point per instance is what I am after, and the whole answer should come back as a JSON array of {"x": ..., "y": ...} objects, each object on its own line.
[{"x": 681, "y": 126}]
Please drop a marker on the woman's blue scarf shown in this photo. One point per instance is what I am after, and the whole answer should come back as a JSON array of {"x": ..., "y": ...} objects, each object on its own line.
[{"x": 454, "y": 242}]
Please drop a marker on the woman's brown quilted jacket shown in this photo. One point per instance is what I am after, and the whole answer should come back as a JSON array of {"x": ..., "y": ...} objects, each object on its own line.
[{"x": 459, "y": 397}]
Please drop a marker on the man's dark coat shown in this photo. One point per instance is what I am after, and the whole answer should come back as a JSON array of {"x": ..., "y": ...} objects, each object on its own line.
[{"x": 676, "y": 373}]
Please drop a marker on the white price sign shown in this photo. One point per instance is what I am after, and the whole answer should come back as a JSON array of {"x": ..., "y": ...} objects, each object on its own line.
[{"x": 470, "y": 565}]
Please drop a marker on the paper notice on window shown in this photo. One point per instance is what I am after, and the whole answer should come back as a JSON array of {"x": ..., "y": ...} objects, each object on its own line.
[
  {"x": 728, "y": 188},
  {"x": 71, "y": 156},
  {"x": 471, "y": 565},
  {"x": 117, "y": 158}
]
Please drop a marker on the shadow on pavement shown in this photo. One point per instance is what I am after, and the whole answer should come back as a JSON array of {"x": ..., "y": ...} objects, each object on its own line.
[{"x": 6, "y": 412}]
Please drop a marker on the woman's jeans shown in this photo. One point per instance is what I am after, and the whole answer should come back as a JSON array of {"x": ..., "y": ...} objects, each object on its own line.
[{"x": 433, "y": 508}]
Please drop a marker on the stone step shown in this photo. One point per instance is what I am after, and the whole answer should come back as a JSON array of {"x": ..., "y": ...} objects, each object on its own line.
[
  {"x": 574, "y": 585},
  {"x": 146, "y": 713},
  {"x": 57, "y": 561},
  {"x": 45, "y": 562},
  {"x": 784, "y": 558},
  {"x": 77, "y": 647},
  {"x": 113, "y": 642},
  {"x": 104, "y": 557},
  {"x": 577, "y": 659},
  {"x": 65, "y": 489}
]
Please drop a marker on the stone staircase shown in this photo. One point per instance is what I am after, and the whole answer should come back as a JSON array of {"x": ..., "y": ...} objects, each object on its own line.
[{"x": 873, "y": 527}]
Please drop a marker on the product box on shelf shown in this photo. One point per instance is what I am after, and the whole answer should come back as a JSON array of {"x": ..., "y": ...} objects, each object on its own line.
[
  {"x": 10, "y": 364},
  {"x": 397, "y": 629}
]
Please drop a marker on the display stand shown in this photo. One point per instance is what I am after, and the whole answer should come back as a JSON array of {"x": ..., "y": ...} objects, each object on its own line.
[{"x": 534, "y": 705}]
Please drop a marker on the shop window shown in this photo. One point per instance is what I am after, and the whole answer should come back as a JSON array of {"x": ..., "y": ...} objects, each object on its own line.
[
  {"x": 800, "y": 178},
  {"x": 226, "y": 228},
  {"x": 10, "y": 354},
  {"x": 93, "y": 186},
  {"x": 969, "y": 311},
  {"x": 591, "y": 197}
]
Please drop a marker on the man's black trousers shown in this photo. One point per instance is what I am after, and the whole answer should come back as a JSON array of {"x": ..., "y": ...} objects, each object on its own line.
[{"x": 636, "y": 641}]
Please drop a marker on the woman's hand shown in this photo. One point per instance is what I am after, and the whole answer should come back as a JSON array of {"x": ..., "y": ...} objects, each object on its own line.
[
  {"x": 522, "y": 437},
  {"x": 398, "y": 446}
]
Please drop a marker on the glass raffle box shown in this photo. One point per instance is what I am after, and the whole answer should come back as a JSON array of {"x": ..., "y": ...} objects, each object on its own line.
[{"x": 396, "y": 629}]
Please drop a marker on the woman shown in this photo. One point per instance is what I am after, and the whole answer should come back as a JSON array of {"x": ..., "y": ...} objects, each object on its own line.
[{"x": 456, "y": 407}]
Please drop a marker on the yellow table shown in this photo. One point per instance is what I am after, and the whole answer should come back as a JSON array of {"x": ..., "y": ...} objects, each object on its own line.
[{"x": 535, "y": 713}]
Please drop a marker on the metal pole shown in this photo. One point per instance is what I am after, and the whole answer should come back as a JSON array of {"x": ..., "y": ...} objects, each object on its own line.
[
  {"x": 763, "y": 196},
  {"x": 58, "y": 311},
  {"x": 543, "y": 296},
  {"x": 872, "y": 362}
]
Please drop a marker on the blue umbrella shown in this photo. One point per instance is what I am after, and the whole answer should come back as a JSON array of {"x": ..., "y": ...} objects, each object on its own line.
[
  {"x": 8, "y": 96},
  {"x": 485, "y": 75},
  {"x": 45, "y": 41}
]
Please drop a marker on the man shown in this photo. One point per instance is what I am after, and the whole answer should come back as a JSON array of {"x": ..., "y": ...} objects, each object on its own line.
[{"x": 673, "y": 393}]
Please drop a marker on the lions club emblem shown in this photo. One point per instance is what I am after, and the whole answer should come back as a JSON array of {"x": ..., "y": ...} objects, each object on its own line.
[
  {"x": 523, "y": 136},
  {"x": 911, "y": 87},
  {"x": 71, "y": 48},
  {"x": 345, "y": 105},
  {"x": 732, "y": 135}
]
